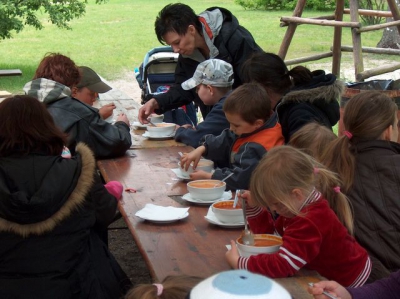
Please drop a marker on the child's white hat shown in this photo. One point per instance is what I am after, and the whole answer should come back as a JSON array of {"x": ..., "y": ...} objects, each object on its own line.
[
  {"x": 238, "y": 284},
  {"x": 214, "y": 72}
]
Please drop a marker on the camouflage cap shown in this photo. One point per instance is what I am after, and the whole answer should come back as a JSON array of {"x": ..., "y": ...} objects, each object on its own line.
[{"x": 214, "y": 72}]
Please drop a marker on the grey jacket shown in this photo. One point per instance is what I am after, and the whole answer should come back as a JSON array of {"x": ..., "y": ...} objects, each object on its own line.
[{"x": 81, "y": 122}]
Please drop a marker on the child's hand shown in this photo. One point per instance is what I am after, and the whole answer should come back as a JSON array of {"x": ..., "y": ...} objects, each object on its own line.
[
  {"x": 106, "y": 111},
  {"x": 247, "y": 196},
  {"x": 200, "y": 175},
  {"x": 194, "y": 156},
  {"x": 232, "y": 256},
  {"x": 331, "y": 287}
]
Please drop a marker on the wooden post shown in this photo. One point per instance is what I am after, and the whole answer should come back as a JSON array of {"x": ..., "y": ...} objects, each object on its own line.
[
  {"x": 337, "y": 39},
  {"x": 287, "y": 39},
  {"x": 395, "y": 12},
  {"x": 357, "y": 54}
]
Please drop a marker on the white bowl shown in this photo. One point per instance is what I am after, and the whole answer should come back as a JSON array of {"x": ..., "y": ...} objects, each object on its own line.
[
  {"x": 205, "y": 190},
  {"x": 247, "y": 250},
  {"x": 225, "y": 212},
  {"x": 161, "y": 129},
  {"x": 156, "y": 119},
  {"x": 204, "y": 164}
]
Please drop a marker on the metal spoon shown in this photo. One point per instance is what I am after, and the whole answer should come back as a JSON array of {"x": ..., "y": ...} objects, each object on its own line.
[
  {"x": 223, "y": 180},
  {"x": 247, "y": 237},
  {"x": 151, "y": 123},
  {"x": 324, "y": 292}
]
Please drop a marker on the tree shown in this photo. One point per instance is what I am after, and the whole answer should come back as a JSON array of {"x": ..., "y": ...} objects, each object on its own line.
[
  {"x": 16, "y": 14},
  {"x": 391, "y": 36}
]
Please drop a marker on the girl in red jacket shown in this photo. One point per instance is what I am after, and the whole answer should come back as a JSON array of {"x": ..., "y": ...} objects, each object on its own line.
[{"x": 314, "y": 220}]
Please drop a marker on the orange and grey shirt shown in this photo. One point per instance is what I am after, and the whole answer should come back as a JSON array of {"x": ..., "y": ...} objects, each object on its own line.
[{"x": 241, "y": 154}]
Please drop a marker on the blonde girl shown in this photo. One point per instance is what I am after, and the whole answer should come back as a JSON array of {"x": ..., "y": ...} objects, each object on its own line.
[
  {"x": 172, "y": 287},
  {"x": 367, "y": 160},
  {"x": 313, "y": 139},
  {"x": 291, "y": 184}
]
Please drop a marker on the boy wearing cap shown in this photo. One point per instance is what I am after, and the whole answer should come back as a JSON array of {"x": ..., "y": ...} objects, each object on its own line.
[
  {"x": 213, "y": 81},
  {"x": 254, "y": 129},
  {"x": 54, "y": 78},
  {"x": 88, "y": 89}
]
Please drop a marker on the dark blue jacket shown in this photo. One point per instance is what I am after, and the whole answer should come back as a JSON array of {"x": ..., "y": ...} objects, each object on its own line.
[{"x": 214, "y": 123}]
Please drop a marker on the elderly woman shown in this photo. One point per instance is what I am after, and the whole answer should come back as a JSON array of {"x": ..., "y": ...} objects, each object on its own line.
[{"x": 51, "y": 209}]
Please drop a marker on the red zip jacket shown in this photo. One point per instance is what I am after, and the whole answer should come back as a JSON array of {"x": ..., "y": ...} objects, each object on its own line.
[{"x": 315, "y": 239}]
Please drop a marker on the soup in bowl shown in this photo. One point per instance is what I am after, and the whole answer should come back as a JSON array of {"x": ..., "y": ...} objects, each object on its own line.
[
  {"x": 225, "y": 212},
  {"x": 206, "y": 189},
  {"x": 263, "y": 243},
  {"x": 161, "y": 129},
  {"x": 204, "y": 164}
]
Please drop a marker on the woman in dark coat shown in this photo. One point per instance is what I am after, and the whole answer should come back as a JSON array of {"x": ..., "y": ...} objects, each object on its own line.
[{"x": 51, "y": 210}]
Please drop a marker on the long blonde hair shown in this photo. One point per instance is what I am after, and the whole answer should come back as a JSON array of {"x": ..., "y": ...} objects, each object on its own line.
[
  {"x": 173, "y": 287},
  {"x": 366, "y": 116},
  {"x": 313, "y": 139},
  {"x": 286, "y": 168}
]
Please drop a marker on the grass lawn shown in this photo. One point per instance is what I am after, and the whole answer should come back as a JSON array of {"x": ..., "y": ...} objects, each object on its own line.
[{"x": 113, "y": 38}]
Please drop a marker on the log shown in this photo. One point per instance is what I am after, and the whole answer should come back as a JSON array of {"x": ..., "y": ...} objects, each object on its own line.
[
  {"x": 377, "y": 71},
  {"x": 368, "y": 12},
  {"x": 373, "y": 50},
  {"x": 320, "y": 22},
  {"x": 329, "y": 17},
  {"x": 377, "y": 27},
  {"x": 308, "y": 58}
]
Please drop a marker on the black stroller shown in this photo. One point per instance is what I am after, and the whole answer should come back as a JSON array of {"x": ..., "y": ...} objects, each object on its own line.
[{"x": 155, "y": 75}]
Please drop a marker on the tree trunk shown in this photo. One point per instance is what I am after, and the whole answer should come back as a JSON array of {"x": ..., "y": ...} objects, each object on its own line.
[{"x": 391, "y": 36}]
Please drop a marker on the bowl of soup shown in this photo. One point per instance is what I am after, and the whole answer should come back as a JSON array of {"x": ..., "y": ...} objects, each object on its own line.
[
  {"x": 156, "y": 118},
  {"x": 161, "y": 129},
  {"x": 206, "y": 189},
  {"x": 263, "y": 243},
  {"x": 225, "y": 212},
  {"x": 204, "y": 164}
]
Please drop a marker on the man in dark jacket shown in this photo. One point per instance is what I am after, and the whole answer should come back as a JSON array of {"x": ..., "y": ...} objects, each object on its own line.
[{"x": 215, "y": 33}]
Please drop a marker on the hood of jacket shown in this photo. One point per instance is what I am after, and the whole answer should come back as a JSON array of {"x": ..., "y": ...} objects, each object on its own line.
[
  {"x": 212, "y": 20},
  {"x": 46, "y": 91},
  {"x": 37, "y": 192}
]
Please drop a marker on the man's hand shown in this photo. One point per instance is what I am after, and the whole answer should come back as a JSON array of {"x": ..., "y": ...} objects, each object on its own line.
[{"x": 124, "y": 118}]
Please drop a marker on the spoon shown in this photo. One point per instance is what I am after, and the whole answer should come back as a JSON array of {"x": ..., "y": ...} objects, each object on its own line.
[
  {"x": 151, "y": 123},
  {"x": 324, "y": 292},
  {"x": 235, "y": 201},
  {"x": 247, "y": 237},
  {"x": 223, "y": 180}
]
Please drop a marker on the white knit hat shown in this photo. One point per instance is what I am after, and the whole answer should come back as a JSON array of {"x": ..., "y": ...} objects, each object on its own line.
[{"x": 238, "y": 284}]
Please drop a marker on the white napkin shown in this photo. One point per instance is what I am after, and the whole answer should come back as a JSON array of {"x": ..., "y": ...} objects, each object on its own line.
[
  {"x": 159, "y": 213},
  {"x": 179, "y": 173}
]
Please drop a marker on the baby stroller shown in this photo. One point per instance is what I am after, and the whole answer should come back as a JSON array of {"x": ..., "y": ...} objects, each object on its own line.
[{"x": 155, "y": 75}]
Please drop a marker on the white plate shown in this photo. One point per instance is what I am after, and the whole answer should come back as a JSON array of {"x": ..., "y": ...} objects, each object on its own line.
[
  {"x": 155, "y": 220},
  {"x": 225, "y": 196},
  {"x": 210, "y": 217},
  {"x": 179, "y": 174},
  {"x": 139, "y": 125},
  {"x": 147, "y": 135}
]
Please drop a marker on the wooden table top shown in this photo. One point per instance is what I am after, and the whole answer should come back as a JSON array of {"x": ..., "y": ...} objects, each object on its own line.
[{"x": 190, "y": 246}]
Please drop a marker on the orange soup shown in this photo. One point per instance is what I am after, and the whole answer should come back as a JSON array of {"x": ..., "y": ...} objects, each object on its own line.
[
  {"x": 204, "y": 163},
  {"x": 205, "y": 185},
  {"x": 226, "y": 205},
  {"x": 266, "y": 242},
  {"x": 163, "y": 125}
]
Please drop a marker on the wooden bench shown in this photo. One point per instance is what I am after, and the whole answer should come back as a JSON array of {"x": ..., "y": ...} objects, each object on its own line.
[{"x": 15, "y": 72}]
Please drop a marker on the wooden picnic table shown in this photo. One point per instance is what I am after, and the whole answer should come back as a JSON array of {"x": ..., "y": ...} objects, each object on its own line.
[{"x": 189, "y": 246}]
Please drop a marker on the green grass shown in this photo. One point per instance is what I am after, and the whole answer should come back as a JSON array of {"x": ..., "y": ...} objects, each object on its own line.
[{"x": 113, "y": 38}]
